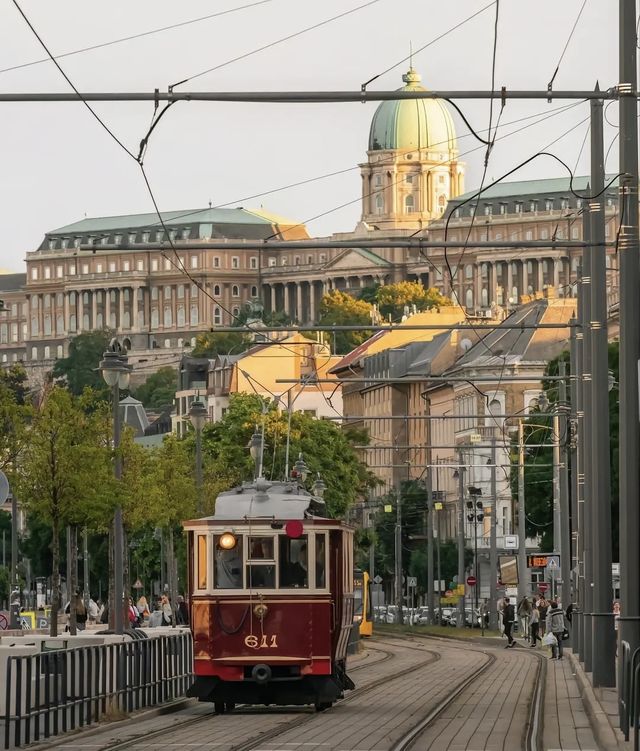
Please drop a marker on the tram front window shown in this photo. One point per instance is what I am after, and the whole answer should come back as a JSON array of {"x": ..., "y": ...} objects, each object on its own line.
[
  {"x": 261, "y": 568},
  {"x": 228, "y": 566},
  {"x": 294, "y": 563}
]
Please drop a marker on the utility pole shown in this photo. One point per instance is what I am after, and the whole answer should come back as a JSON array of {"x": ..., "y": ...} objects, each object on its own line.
[
  {"x": 604, "y": 652},
  {"x": 493, "y": 542},
  {"x": 587, "y": 402},
  {"x": 438, "y": 506},
  {"x": 430, "y": 572},
  {"x": 563, "y": 489},
  {"x": 85, "y": 558},
  {"x": 399, "y": 603},
  {"x": 522, "y": 546},
  {"x": 461, "y": 581},
  {"x": 573, "y": 447},
  {"x": 629, "y": 624}
]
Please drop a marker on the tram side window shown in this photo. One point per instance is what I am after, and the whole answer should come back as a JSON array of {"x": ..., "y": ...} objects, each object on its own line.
[
  {"x": 228, "y": 565},
  {"x": 202, "y": 562},
  {"x": 321, "y": 557},
  {"x": 294, "y": 562},
  {"x": 261, "y": 564}
]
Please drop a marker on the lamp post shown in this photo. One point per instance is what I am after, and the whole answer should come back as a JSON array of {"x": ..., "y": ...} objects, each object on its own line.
[
  {"x": 459, "y": 475},
  {"x": 198, "y": 417},
  {"x": 116, "y": 372},
  {"x": 475, "y": 514}
]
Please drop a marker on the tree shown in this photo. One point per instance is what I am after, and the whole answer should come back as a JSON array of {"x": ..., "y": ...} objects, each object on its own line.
[
  {"x": 80, "y": 369},
  {"x": 339, "y": 308},
  {"x": 392, "y": 299},
  {"x": 159, "y": 390},
  {"x": 65, "y": 472},
  {"x": 212, "y": 343}
]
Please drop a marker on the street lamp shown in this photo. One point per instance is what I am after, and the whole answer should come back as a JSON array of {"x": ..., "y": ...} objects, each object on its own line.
[
  {"x": 300, "y": 469},
  {"x": 198, "y": 417},
  {"x": 475, "y": 515},
  {"x": 116, "y": 372},
  {"x": 318, "y": 486}
]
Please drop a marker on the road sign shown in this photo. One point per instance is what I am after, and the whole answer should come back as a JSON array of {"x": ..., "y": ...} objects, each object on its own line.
[
  {"x": 543, "y": 586},
  {"x": 511, "y": 542},
  {"x": 138, "y": 584},
  {"x": 553, "y": 564},
  {"x": 471, "y": 581},
  {"x": 412, "y": 581},
  {"x": 4, "y": 487},
  {"x": 475, "y": 438},
  {"x": 377, "y": 579}
]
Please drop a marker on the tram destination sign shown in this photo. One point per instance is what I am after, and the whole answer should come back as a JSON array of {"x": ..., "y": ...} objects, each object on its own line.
[{"x": 541, "y": 560}]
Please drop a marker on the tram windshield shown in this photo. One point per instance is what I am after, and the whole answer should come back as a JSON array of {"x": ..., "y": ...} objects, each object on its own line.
[{"x": 228, "y": 565}]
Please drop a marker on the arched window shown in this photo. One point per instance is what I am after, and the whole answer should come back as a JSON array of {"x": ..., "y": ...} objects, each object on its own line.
[
  {"x": 47, "y": 352},
  {"x": 409, "y": 206},
  {"x": 217, "y": 316},
  {"x": 468, "y": 271},
  {"x": 254, "y": 291},
  {"x": 59, "y": 351},
  {"x": 469, "y": 299},
  {"x": 99, "y": 321},
  {"x": 235, "y": 291},
  {"x": 34, "y": 353},
  {"x": 168, "y": 316},
  {"x": 47, "y": 325},
  {"x": 155, "y": 318},
  {"x": 126, "y": 320},
  {"x": 379, "y": 204},
  {"x": 180, "y": 291},
  {"x": 47, "y": 301},
  {"x": 485, "y": 298},
  {"x": 72, "y": 322},
  {"x": 34, "y": 325},
  {"x": 194, "y": 315},
  {"x": 216, "y": 290},
  {"x": 86, "y": 322},
  {"x": 180, "y": 315}
]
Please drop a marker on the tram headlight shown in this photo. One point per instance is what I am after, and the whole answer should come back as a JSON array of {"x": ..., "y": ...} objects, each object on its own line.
[{"x": 227, "y": 541}]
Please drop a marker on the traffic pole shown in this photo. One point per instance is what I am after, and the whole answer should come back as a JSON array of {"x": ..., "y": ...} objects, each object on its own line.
[{"x": 493, "y": 542}]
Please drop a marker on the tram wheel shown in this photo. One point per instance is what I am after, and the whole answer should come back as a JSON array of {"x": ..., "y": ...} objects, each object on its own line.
[
  {"x": 219, "y": 707},
  {"x": 229, "y": 706},
  {"x": 321, "y": 706}
]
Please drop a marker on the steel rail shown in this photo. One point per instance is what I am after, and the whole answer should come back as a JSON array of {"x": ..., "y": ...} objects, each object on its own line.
[
  {"x": 476, "y": 378},
  {"x": 301, "y": 328},
  {"x": 300, "y": 97}
]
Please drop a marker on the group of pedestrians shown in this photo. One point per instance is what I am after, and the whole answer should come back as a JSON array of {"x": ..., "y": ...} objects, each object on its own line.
[
  {"x": 139, "y": 613},
  {"x": 539, "y": 618}
]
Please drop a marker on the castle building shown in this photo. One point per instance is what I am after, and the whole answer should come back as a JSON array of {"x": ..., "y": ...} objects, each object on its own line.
[{"x": 121, "y": 272}]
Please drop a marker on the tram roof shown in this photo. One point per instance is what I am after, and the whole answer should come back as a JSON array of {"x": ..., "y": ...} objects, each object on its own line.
[{"x": 264, "y": 500}]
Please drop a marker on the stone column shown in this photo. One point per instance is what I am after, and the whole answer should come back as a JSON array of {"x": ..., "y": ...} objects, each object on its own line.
[
  {"x": 65, "y": 313},
  {"x": 509, "y": 283},
  {"x": 94, "y": 308},
  {"x": 525, "y": 278},
  {"x": 299, "y": 311},
  {"x": 540, "y": 275},
  {"x": 312, "y": 301},
  {"x": 273, "y": 298},
  {"x": 107, "y": 308},
  {"x": 557, "y": 262},
  {"x": 477, "y": 286},
  {"x": 285, "y": 298},
  {"x": 492, "y": 276},
  {"x": 134, "y": 308},
  {"x": 80, "y": 322},
  {"x": 120, "y": 308}
]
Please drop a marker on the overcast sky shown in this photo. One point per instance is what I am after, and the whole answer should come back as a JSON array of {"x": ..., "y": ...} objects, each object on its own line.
[{"x": 58, "y": 166}]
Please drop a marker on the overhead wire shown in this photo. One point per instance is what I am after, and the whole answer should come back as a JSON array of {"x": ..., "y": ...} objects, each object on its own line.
[
  {"x": 571, "y": 33},
  {"x": 276, "y": 42},
  {"x": 131, "y": 37}
]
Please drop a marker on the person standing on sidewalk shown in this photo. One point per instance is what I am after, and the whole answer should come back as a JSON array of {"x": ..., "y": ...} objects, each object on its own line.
[
  {"x": 556, "y": 625},
  {"x": 524, "y": 615},
  {"x": 534, "y": 625},
  {"x": 508, "y": 617}
]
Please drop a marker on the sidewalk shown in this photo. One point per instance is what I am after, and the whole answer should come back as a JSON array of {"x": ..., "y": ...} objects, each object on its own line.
[{"x": 601, "y": 706}]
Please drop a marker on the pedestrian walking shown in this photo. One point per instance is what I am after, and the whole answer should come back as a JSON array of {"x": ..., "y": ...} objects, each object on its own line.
[
  {"x": 166, "y": 610},
  {"x": 524, "y": 615},
  {"x": 182, "y": 614},
  {"x": 508, "y": 617},
  {"x": 555, "y": 624},
  {"x": 543, "y": 607},
  {"x": 534, "y": 625}
]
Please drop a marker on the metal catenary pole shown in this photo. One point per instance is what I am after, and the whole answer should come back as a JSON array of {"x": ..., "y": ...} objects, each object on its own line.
[
  {"x": 603, "y": 646},
  {"x": 629, "y": 624},
  {"x": 118, "y": 530},
  {"x": 587, "y": 401},
  {"x": 461, "y": 581},
  {"x": 565, "y": 511},
  {"x": 399, "y": 588},
  {"x": 430, "y": 569},
  {"x": 575, "y": 492},
  {"x": 580, "y": 425},
  {"x": 522, "y": 542},
  {"x": 493, "y": 542}
]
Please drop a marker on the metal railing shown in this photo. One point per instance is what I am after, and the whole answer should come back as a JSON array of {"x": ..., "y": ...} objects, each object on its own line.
[
  {"x": 629, "y": 693},
  {"x": 49, "y": 693}
]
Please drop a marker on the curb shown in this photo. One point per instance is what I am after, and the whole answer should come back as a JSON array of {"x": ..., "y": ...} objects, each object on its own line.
[
  {"x": 602, "y": 729},
  {"x": 88, "y": 731}
]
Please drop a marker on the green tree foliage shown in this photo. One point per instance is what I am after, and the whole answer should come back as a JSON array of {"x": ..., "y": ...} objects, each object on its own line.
[
  {"x": 538, "y": 461},
  {"x": 339, "y": 308},
  {"x": 159, "y": 390},
  {"x": 393, "y": 298},
  {"x": 65, "y": 472},
  {"x": 448, "y": 563},
  {"x": 215, "y": 343},
  {"x": 15, "y": 379},
  {"x": 79, "y": 371}
]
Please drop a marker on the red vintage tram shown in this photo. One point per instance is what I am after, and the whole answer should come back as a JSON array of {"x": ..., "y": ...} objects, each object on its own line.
[{"x": 271, "y": 583}]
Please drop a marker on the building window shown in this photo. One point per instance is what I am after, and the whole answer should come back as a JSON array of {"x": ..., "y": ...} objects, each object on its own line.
[
  {"x": 235, "y": 291},
  {"x": 145, "y": 237},
  {"x": 544, "y": 234},
  {"x": 503, "y": 208},
  {"x": 254, "y": 263},
  {"x": 323, "y": 257},
  {"x": 272, "y": 262},
  {"x": 518, "y": 207},
  {"x": 236, "y": 312},
  {"x": 47, "y": 272},
  {"x": 379, "y": 204},
  {"x": 14, "y": 332},
  {"x": 85, "y": 268},
  {"x": 126, "y": 266},
  {"x": 217, "y": 316},
  {"x": 216, "y": 262},
  {"x": 235, "y": 262},
  {"x": 34, "y": 273},
  {"x": 309, "y": 260},
  {"x": 167, "y": 264},
  {"x": 194, "y": 315},
  {"x": 564, "y": 203},
  {"x": 284, "y": 261},
  {"x": 194, "y": 262},
  {"x": 575, "y": 233},
  {"x": 409, "y": 207},
  {"x": 155, "y": 318},
  {"x": 548, "y": 205},
  {"x": 168, "y": 316},
  {"x": 180, "y": 316},
  {"x": 98, "y": 268},
  {"x": 378, "y": 180},
  {"x": 488, "y": 209},
  {"x": 59, "y": 351},
  {"x": 140, "y": 265},
  {"x": 154, "y": 264},
  {"x": 154, "y": 293},
  {"x": 528, "y": 235},
  {"x": 73, "y": 324},
  {"x": 34, "y": 353},
  {"x": 185, "y": 233},
  {"x": 216, "y": 290},
  {"x": 34, "y": 326},
  {"x": 132, "y": 237},
  {"x": 254, "y": 291}
]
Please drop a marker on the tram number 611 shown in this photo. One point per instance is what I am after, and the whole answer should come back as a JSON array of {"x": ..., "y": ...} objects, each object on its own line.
[{"x": 265, "y": 641}]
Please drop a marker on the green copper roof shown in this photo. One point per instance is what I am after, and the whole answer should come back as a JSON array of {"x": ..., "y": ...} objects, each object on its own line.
[
  {"x": 545, "y": 187},
  {"x": 412, "y": 123}
]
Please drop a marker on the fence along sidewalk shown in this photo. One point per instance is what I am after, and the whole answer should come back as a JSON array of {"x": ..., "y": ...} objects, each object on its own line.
[{"x": 51, "y": 692}]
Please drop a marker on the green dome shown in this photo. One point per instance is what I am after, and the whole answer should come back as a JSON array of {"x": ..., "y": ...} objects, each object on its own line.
[{"x": 412, "y": 123}]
